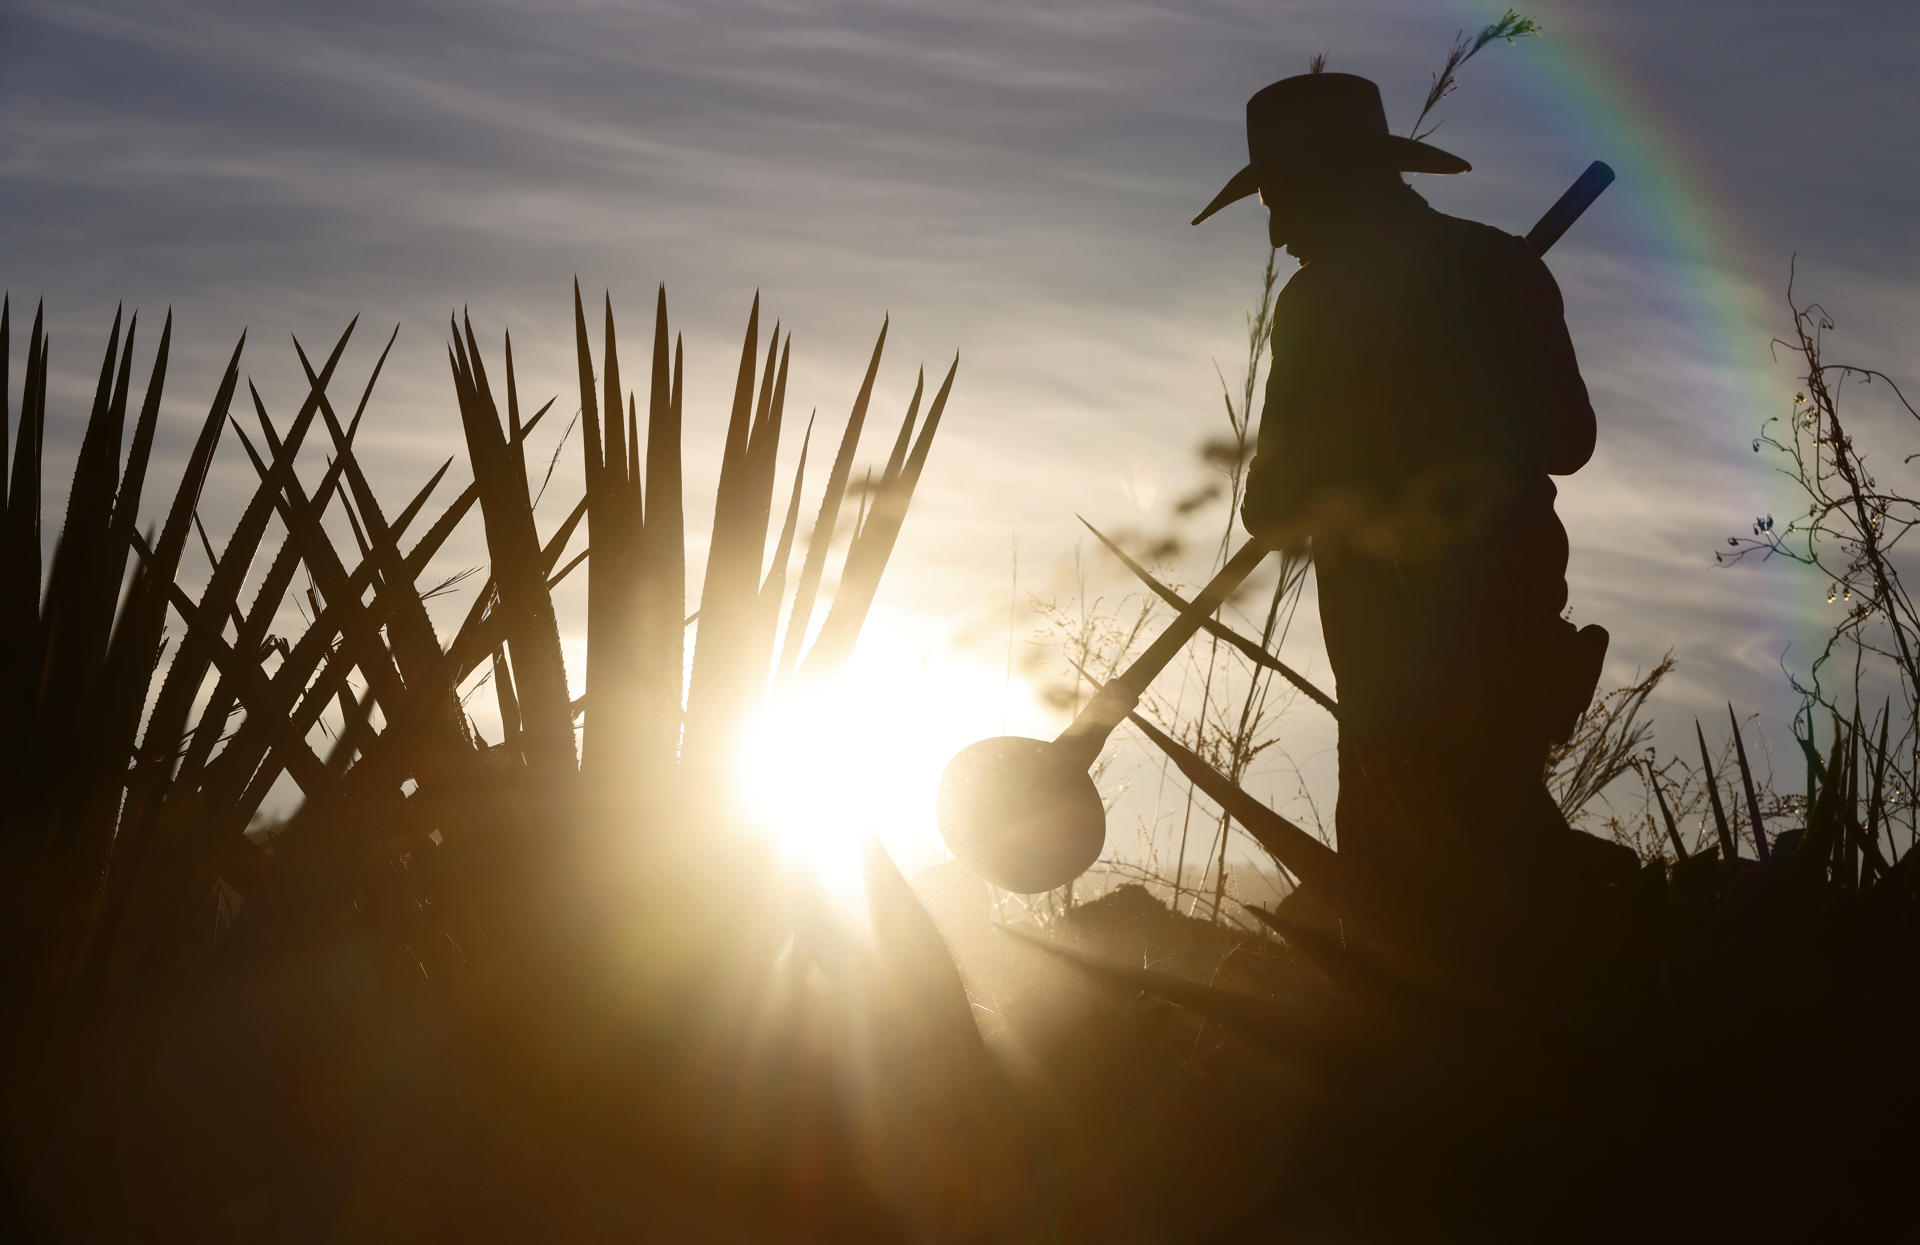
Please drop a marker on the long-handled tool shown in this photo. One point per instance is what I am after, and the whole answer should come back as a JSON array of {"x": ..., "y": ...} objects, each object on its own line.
[{"x": 1023, "y": 813}]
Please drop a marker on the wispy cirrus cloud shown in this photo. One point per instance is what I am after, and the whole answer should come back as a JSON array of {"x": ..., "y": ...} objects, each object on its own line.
[{"x": 1009, "y": 180}]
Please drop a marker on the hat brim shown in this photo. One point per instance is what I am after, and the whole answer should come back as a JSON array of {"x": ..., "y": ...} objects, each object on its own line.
[{"x": 1408, "y": 156}]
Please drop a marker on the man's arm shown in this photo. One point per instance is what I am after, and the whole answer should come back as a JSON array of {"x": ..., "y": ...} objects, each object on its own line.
[{"x": 1557, "y": 396}]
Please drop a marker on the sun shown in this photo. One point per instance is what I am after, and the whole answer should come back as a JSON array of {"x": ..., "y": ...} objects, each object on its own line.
[{"x": 828, "y": 764}]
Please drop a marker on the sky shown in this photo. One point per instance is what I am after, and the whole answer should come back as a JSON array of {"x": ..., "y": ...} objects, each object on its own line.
[{"x": 1008, "y": 181}]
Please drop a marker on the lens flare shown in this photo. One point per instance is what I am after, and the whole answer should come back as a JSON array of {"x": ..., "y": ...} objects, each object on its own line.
[{"x": 828, "y": 763}]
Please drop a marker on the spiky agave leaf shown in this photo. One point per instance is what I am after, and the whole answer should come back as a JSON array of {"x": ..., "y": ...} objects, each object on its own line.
[
  {"x": 324, "y": 631},
  {"x": 1825, "y": 828},
  {"x": 503, "y": 693},
  {"x": 1666, "y": 816},
  {"x": 828, "y": 518},
  {"x": 1876, "y": 801},
  {"x": 96, "y": 470},
  {"x": 313, "y": 874},
  {"x": 589, "y": 407},
  {"x": 514, "y": 547},
  {"x": 241, "y": 672},
  {"x": 1302, "y": 855},
  {"x": 151, "y": 900},
  {"x": 126, "y": 508},
  {"x": 663, "y": 560},
  {"x": 1746, "y": 783},
  {"x": 364, "y": 644},
  {"x": 1860, "y": 864},
  {"x": 613, "y": 472},
  {"x": 1213, "y": 626},
  {"x": 614, "y": 510},
  {"x": 409, "y": 630},
  {"x": 315, "y": 642},
  {"x": 773, "y": 590},
  {"x": 258, "y": 751},
  {"x": 386, "y": 759},
  {"x": 251, "y": 628},
  {"x": 615, "y": 575},
  {"x": 1846, "y": 861},
  {"x": 763, "y": 446},
  {"x": 914, "y": 964},
  {"x": 730, "y": 592},
  {"x": 902, "y": 440},
  {"x": 137, "y": 637},
  {"x": 20, "y": 575},
  {"x": 873, "y": 544},
  {"x": 63, "y": 785},
  {"x": 126, "y": 503},
  {"x": 167, "y": 722},
  {"x": 130, "y": 644},
  {"x": 1720, "y": 826},
  {"x": 600, "y": 505},
  {"x": 81, "y": 589}
]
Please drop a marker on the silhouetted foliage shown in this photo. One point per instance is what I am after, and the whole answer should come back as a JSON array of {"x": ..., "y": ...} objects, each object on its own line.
[
  {"x": 448, "y": 931},
  {"x": 475, "y": 989}
]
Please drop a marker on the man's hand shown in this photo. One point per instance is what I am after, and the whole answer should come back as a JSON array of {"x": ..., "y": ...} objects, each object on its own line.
[{"x": 1267, "y": 512}]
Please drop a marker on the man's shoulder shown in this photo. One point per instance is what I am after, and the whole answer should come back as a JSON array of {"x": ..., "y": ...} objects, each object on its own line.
[
  {"x": 1470, "y": 241},
  {"x": 1473, "y": 231},
  {"x": 1478, "y": 260},
  {"x": 1432, "y": 255}
]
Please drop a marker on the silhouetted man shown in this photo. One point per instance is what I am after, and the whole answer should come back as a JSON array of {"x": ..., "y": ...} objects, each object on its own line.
[{"x": 1423, "y": 390}]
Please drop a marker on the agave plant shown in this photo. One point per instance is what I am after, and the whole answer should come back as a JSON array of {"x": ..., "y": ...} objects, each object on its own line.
[{"x": 145, "y": 726}]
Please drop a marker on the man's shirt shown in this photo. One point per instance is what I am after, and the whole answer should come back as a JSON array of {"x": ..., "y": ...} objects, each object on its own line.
[
  {"x": 1423, "y": 389},
  {"x": 1428, "y": 372}
]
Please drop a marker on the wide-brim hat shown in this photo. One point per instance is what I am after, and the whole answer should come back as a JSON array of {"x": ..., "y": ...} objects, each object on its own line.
[{"x": 1316, "y": 120}]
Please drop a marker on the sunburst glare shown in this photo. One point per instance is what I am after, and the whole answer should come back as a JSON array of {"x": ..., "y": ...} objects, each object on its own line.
[{"x": 828, "y": 763}]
